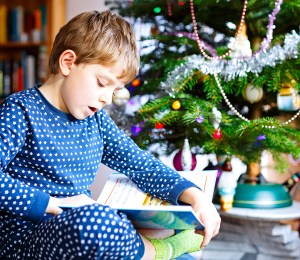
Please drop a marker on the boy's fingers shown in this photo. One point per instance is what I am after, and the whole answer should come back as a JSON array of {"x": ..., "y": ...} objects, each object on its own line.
[{"x": 56, "y": 210}]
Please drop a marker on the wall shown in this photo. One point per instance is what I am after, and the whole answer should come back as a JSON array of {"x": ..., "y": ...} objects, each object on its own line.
[{"x": 75, "y": 7}]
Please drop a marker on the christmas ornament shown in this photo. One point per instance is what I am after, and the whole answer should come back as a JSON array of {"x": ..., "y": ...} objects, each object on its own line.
[
  {"x": 121, "y": 97},
  {"x": 242, "y": 45},
  {"x": 217, "y": 134},
  {"x": 199, "y": 119},
  {"x": 184, "y": 159},
  {"x": 227, "y": 185},
  {"x": 288, "y": 98},
  {"x": 176, "y": 105},
  {"x": 261, "y": 137},
  {"x": 227, "y": 164},
  {"x": 217, "y": 118},
  {"x": 253, "y": 94},
  {"x": 135, "y": 83},
  {"x": 169, "y": 8},
  {"x": 159, "y": 125},
  {"x": 136, "y": 129},
  {"x": 157, "y": 9},
  {"x": 154, "y": 31}
]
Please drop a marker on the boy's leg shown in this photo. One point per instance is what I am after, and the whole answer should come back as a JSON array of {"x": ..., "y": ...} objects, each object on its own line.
[{"x": 89, "y": 232}]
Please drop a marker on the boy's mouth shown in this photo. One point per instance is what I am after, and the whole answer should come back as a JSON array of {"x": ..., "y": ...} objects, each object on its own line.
[{"x": 93, "y": 109}]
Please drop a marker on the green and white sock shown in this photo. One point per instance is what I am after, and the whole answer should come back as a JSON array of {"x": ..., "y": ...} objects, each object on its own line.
[{"x": 184, "y": 242}]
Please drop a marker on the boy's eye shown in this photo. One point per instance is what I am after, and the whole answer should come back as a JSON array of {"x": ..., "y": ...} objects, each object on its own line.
[{"x": 99, "y": 83}]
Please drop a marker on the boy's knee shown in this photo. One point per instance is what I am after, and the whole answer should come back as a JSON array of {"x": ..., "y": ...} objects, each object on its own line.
[{"x": 101, "y": 230}]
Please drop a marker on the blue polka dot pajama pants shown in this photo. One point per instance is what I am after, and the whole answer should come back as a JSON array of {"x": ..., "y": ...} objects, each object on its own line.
[{"x": 89, "y": 232}]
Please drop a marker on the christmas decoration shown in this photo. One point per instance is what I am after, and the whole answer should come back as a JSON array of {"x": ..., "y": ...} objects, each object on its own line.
[
  {"x": 244, "y": 118},
  {"x": 217, "y": 134},
  {"x": 121, "y": 97},
  {"x": 136, "y": 82},
  {"x": 159, "y": 125},
  {"x": 199, "y": 119},
  {"x": 261, "y": 137},
  {"x": 136, "y": 129},
  {"x": 227, "y": 185},
  {"x": 253, "y": 94},
  {"x": 288, "y": 98},
  {"x": 172, "y": 68},
  {"x": 230, "y": 69},
  {"x": 239, "y": 30},
  {"x": 157, "y": 9},
  {"x": 242, "y": 45},
  {"x": 176, "y": 105},
  {"x": 217, "y": 118},
  {"x": 184, "y": 159}
]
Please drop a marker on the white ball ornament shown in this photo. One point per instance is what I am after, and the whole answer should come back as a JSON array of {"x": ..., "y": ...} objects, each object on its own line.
[
  {"x": 121, "y": 97},
  {"x": 253, "y": 94}
]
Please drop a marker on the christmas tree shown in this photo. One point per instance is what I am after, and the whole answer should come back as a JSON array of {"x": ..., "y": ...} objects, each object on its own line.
[{"x": 224, "y": 75}]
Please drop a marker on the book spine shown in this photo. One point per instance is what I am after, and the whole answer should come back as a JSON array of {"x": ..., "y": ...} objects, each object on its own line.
[
  {"x": 14, "y": 75},
  {"x": 3, "y": 23},
  {"x": 20, "y": 77},
  {"x": 1, "y": 78},
  {"x": 44, "y": 17},
  {"x": 7, "y": 78},
  {"x": 36, "y": 34},
  {"x": 30, "y": 72},
  {"x": 15, "y": 30}
]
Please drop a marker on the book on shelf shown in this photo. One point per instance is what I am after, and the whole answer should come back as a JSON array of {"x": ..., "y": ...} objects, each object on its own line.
[{"x": 145, "y": 211}]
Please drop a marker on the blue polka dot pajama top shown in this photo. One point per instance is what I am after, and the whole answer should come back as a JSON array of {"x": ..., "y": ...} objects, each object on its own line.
[{"x": 45, "y": 152}]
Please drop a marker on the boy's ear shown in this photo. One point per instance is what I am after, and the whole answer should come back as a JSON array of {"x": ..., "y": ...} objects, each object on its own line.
[{"x": 66, "y": 61}]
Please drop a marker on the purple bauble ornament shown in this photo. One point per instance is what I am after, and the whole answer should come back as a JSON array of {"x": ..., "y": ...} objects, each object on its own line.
[
  {"x": 178, "y": 164},
  {"x": 199, "y": 119},
  {"x": 135, "y": 130},
  {"x": 261, "y": 137}
]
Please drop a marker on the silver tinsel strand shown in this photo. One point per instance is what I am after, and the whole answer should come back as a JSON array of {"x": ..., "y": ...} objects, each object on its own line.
[{"x": 236, "y": 67}]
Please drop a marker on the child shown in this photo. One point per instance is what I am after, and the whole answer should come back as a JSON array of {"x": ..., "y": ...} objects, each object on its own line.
[{"x": 53, "y": 139}]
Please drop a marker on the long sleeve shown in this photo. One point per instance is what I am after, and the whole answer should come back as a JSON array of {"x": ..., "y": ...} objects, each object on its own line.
[
  {"x": 16, "y": 197},
  {"x": 149, "y": 173}
]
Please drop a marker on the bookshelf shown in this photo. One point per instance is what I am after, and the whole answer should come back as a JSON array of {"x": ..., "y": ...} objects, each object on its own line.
[{"x": 27, "y": 31}]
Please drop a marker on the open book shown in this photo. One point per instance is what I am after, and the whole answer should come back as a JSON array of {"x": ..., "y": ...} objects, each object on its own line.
[{"x": 148, "y": 212}]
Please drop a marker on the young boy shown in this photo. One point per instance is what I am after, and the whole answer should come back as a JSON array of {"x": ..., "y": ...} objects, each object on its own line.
[{"x": 53, "y": 139}]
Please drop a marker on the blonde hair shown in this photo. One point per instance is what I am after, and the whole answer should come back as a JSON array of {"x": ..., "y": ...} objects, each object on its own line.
[{"x": 98, "y": 38}]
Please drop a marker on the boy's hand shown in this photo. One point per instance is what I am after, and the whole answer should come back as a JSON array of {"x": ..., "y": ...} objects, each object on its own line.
[
  {"x": 206, "y": 212},
  {"x": 52, "y": 207}
]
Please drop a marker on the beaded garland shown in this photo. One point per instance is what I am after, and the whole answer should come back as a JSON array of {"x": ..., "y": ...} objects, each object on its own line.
[
  {"x": 199, "y": 42},
  {"x": 264, "y": 44}
]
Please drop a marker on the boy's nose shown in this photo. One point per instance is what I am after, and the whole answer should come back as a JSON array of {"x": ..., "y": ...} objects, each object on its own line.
[{"x": 106, "y": 99}]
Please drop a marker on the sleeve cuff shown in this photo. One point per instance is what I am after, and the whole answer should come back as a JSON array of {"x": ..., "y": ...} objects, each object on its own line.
[
  {"x": 38, "y": 207},
  {"x": 176, "y": 191}
]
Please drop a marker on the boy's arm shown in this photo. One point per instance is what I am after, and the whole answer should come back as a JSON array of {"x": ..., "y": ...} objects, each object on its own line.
[
  {"x": 16, "y": 197},
  {"x": 147, "y": 172}
]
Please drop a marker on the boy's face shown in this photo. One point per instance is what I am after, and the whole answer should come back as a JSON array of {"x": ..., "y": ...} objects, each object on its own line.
[{"x": 88, "y": 88}]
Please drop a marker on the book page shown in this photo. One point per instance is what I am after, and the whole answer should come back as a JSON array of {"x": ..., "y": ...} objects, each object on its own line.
[{"x": 120, "y": 190}]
